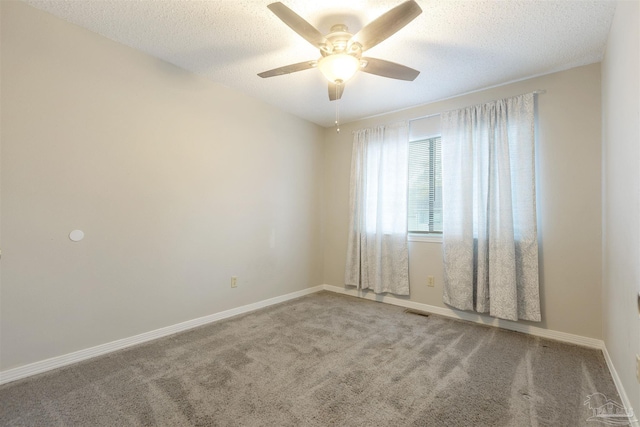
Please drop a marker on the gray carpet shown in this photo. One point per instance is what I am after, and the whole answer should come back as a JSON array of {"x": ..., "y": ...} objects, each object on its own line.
[{"x": 322, "y": 360}]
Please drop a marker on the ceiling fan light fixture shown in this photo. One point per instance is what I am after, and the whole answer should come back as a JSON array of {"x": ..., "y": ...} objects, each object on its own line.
[{"x": 339, "y": 67}]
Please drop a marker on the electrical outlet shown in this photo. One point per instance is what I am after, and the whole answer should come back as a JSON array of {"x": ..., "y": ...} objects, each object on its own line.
[
  {"x": 638, "y": 367},
  {"x": 234, "y": 282},
  {"x": 431, "y": 281}
]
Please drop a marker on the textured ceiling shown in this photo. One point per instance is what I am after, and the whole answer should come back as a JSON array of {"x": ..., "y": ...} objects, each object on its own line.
[{"x": 459, "y": 46}]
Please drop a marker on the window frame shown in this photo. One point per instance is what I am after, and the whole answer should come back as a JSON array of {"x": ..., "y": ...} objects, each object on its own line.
[{"x": 427, "y": 236}]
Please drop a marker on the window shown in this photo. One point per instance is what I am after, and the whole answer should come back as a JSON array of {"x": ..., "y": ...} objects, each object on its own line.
[{"x": 425, "y": 186}]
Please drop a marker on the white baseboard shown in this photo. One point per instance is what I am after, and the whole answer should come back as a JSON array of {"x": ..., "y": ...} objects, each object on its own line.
[
  {"x": 77, "y": 356},
  {"x": 477, "y": 318},
  {"x": 506, "y": 324},
  {"x": 621, "y": 391}
]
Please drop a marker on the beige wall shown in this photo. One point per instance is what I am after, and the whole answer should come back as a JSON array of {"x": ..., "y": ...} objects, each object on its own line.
[
  {"x": 569, "y": 199},
  {"x": 621, "y": 188},
  {"x": 178, "y": 183}
]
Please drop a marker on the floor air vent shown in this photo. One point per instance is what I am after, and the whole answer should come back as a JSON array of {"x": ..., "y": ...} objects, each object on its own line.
[{"x": 418, "y": 312}]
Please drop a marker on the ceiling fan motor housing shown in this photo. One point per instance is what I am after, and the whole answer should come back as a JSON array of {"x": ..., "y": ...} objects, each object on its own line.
[{"x": 338, "y": 42}]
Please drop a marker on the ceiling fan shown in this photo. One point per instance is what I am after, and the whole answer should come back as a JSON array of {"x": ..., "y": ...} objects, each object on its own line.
[{"x": 341, "y": 51}]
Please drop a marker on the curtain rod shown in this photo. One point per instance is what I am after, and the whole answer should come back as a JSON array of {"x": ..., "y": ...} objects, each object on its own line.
[{"x": 535, "y": 92}]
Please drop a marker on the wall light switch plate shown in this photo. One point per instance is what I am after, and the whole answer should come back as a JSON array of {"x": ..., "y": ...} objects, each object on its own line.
[
  {"x": 431, "y": 281},
  {"x": 234, "y": 282}
]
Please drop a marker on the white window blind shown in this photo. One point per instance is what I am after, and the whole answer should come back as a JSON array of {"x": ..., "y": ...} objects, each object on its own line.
[{"x": 425, "y": 186}]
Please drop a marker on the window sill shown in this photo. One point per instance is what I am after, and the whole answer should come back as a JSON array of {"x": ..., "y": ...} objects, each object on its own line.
[{"x": 425, "y": 238}]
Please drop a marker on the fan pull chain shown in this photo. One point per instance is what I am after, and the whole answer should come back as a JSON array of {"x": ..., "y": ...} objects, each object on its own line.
[{"x": 337, "y": 109}]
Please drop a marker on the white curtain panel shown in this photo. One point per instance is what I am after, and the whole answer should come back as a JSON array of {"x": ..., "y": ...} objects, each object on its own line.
[
  {"x": 378, "y": 255},
  {"x": 490, "y": 243}
]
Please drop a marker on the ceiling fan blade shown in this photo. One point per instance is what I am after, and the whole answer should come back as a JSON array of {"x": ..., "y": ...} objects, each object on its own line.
[
  {"x": 387, "y": 24},
  {"x": 288, "y": 69},
  {"x": 383, "y": 68},
  {"x": 298, "y": 24},
  {"x": 335, "y": 91}
]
